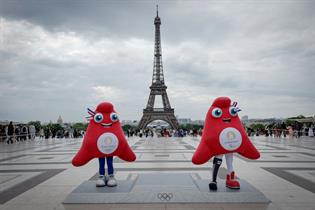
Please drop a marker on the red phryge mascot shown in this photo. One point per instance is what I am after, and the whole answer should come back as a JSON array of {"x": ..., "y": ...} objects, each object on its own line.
[
  {"x": 104, "y": 138},
  {"x": 223, "y": 133}
]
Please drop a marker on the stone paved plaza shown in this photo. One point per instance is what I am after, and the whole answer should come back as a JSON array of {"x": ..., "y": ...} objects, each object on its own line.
[{"x": 38, "y": 175}]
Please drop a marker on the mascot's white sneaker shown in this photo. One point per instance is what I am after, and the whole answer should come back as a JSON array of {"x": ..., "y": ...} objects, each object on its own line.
[
  {"x": 100, "y": 182},
  {"x": 111, "y": 181}
]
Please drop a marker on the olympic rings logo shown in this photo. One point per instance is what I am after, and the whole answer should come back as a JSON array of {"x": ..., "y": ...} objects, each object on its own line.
[{"x": 165, "y": 196}]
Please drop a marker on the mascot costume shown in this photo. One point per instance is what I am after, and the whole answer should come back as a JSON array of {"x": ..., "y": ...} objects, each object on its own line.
[
  {"x": 104, "y": 138},
  {"x": 223, "y": 134}
]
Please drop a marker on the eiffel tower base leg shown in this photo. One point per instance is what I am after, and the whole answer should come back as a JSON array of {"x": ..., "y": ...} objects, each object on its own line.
[{"x": 151, "y": 116}]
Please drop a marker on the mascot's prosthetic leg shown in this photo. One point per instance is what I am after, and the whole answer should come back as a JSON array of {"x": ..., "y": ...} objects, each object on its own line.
[
  {"x": 223, "y": 134},
  {"x": 231, "y": 182},
  {"x": 104, "y": 139}
]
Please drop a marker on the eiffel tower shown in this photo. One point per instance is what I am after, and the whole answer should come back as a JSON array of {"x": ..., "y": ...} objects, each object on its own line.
[{"x": 158, "y": 87}]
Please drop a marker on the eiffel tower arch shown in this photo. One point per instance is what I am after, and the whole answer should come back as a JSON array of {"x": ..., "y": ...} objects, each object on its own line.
[{"x": 158, "y": 88}]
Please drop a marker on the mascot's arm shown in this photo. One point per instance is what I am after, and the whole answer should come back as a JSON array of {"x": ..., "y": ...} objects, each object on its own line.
[
  {"x": 202, "y": 154},
  {"x": 250, "y": 151},
  {"x": 127, "y": 154},
  {"x": 81, "y": 158}
]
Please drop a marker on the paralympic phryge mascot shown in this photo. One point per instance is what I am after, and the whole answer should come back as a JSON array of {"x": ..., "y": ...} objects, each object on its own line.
[
  {"x": 104, "y": 138},
  {"x": 223, "y": 134}
]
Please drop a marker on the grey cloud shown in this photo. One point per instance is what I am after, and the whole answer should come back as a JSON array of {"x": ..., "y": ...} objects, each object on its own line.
[{"x": 257, "y": 53}]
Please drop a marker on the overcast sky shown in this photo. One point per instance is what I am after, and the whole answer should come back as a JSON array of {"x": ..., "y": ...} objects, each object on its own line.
[{"x": 60, "y": 57}]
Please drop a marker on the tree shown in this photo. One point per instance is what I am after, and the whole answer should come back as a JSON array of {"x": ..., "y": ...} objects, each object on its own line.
[
  {"x": 127, "y": 127},
  {"x": 55, "y": 127},
  {"x": 289, "y": 122},
  {"x": 257, "y": 126},
  {"x": 80, "y": 126},
  {"x": 37, "y": 125},
  {"x": 189, "y": 126},
  {"x": 297, "y": 117}
]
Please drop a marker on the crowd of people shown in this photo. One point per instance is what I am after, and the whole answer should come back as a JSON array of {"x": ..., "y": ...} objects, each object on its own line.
[
  {"x": 12, "y": 133},
  {"x": 46, "y": 133},
  {"x": 164, "y": 132},
  {"x": 15, "y": 133},
  {"x": 22, "y": 132},
  {"x": 278, "y": 130}
]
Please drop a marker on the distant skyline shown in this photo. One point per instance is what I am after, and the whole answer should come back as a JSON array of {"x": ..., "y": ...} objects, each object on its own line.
[
  {"x": 60, "y": 57},
  {"x": 132, "y": 121}
]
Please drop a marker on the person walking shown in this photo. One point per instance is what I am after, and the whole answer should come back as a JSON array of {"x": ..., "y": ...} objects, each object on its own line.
[
  {"x": 310, "y": 131},
  {"x": 284, "y": 129},
  {"x": 17, "y": 133},
  {"x": 24, "y": 133},
  {"x": 10, "y": 133},
  {"x": 41, "y": 133}
]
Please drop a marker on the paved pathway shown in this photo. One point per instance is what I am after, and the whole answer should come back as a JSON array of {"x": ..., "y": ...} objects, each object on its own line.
[{"x": 38, "y": 175}]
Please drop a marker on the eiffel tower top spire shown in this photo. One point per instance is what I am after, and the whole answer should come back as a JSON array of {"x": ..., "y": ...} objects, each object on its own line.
[
  {"x": 157, "y": 19},
  {"x": 158, "y": 76}
]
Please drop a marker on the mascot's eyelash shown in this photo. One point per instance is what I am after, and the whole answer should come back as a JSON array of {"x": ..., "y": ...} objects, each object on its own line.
[
  {"x": 91, "y": 113},
  {"x": 237, "y": 108}
]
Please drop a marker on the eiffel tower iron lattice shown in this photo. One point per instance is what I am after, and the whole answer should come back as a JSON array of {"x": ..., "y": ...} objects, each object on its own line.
[{"x": 158, "y": 88}]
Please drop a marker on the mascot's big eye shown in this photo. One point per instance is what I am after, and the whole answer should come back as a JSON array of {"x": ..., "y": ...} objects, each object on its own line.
[
  {"x": 233, "y": 111},
  {"x": 114, "y": 117},
  {"x": 98, "y": 118},
  {"x": 217, "y": 112}
]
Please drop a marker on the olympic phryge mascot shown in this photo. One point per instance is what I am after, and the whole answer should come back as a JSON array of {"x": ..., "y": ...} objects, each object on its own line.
[
  {"x": 223, "y": 134},
  {"x": 104, "y": 138}
]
